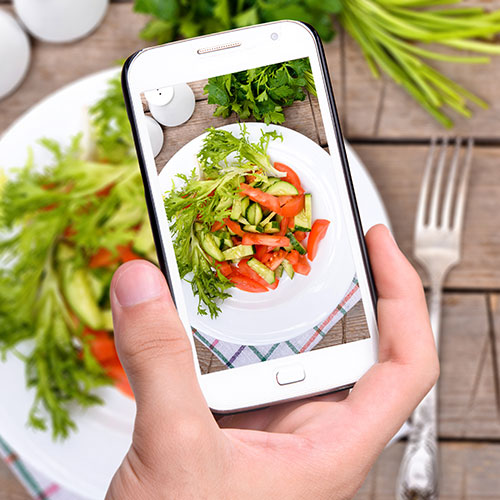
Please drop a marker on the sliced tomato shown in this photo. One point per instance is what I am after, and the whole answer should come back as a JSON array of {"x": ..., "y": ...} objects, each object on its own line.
[
  {"x": 260, "y": 251},
  {"x": 276, "y": 259},
  {"x": 265, "y": 199},
  {"x": 236, "y": 240},
  {"x": 291, "y": 176},
  {"x": 265, "y": 239},
  {"x": 274, "y": 285},
  {"x": 302, "y": 266},
  {"x": 246, "y": 270},
  {"x": 245, "y": 283},
  {"x": 217, "y": 225},
  {"x": 69, "y": 232},
  {"x": 291, "y": 222},
  {"x": 126, "y": 254},
  {"x": 105, "y": 191},
  {"x": 293, "y": 257},
  {"x": 291, "y": 207},
  {"x": 300, "y": 235},
  {"x": 102, "y": 258},
  {"x": 283, "y": 226},
  {"x": 318, "y": 231},
  {"x": 224, "y": 267},
  {"x": 234, "y": 226}
]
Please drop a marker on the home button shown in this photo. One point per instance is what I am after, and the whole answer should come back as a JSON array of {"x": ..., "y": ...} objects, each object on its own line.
[{"x": 290, "y": 375}]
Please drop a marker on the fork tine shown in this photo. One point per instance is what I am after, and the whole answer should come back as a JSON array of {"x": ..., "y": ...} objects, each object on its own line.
[
  {"x": 422, "y": 201},
  {"x": 462, "y": 189},
  {"x": 445, "y": 218},
  {"x": 434, "y": 207}
]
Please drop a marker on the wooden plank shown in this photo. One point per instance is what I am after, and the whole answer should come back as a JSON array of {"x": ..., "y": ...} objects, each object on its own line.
[
  {"x": 467, "y": 471},
  {"x": 54, "y": 65},
  {"x": 467, "y": 398},
  {"x": 397, "y": 171},
  {"x": 10, "y": 487}
]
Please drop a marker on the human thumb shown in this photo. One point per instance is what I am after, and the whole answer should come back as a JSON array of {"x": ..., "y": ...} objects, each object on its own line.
[{"x": 153, "y": 346}]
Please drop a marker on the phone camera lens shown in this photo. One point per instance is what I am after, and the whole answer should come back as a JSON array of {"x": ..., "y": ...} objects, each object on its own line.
[{"x": 274, "y": 36}]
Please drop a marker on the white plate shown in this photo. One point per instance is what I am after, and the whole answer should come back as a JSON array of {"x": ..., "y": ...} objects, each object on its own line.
[
  {"x": 85, "y": 463},
  {"x": 296, "y": 305}
]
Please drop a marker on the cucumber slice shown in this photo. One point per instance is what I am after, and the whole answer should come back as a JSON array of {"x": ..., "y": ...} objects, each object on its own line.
[
  {"x": 288, "y": 268},
  {"x": 236, "y": 210},
  {"x": 279, "y": 271},
  {"x": 267, "y": 219},
  {"x": 295, "y": 244},
  {"x": 78, "y": 293},
  {"x": 262, "y": 270},
  {"x": 224, "y": 204},
  {"x": 210, "y": 245},
  {"x": 198, "y": 227},
  {"x": 272, "y": 227},
  {"x": 303, "y": 219},
  {"x": 238, "y": 252},
  {"x": 254, "y": 214},
  {"x": 282, "y": 188},
  {"x": 244, "y": 221},
  {"x": 107, "y": 320},
  {"x": 250, "y": 228}
]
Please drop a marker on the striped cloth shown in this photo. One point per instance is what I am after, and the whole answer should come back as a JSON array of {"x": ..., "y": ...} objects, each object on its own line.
[{"x": 232, "y": 355}]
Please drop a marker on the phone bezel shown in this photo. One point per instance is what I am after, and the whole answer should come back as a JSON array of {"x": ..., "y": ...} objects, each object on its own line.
[{"x": 254, "y": 385}]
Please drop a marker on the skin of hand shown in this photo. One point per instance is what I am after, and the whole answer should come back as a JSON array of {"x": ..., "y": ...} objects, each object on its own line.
[{"x": 320, "y": 448}]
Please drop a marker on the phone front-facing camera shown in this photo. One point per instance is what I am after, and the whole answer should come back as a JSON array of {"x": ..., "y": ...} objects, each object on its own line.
[{"x": 274, "y": 36}]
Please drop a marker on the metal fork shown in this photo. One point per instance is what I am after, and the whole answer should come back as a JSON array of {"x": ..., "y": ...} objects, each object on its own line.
[{"x": 438, "y": 235}]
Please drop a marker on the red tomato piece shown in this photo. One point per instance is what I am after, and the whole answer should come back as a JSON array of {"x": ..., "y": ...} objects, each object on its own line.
[
  {"x": 245, "y": 283},
  {"x": 283, "y": 226},
  {"x": 246, "y": 270},
  {"x": 126, "y": 253},
  {"x": 276, "y": 259},
  {"x": 274, "y": 285},
  {"x": 265, "y": 199},
  {"x": 302, "y": 266},
  {"x": 217, "y": 225},
  {"x": 318, "y": 231},
  {"x": 224, "y": 267},
  {"x": 236, "y": 240},
  {"x": 234, "y": 226},
  {"x": 103, "y": 258},
  {"x": 293, "y": 257},
  {"x": 105, "y": 191},
  {"x": 291, "y": 222},
  {"x": 260, "y": 251},
  {"x": 300, "y": 235},
  {"x": 265, "y": 239},
  {"x": 291, "y": 207},
  {"x": 291, "y": 176}
]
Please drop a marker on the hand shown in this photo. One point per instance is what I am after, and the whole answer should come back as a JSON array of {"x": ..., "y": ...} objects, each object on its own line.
[{"x": 319, "y": 448}]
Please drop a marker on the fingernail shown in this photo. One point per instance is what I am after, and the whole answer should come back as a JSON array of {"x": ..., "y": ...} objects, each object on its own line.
[{"x": 138, "y": 283}]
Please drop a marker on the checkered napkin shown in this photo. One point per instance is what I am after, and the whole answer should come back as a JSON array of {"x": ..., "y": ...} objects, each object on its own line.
[
  {"x": 234, "y": 355},
  {"x": 36, "y": 484}
]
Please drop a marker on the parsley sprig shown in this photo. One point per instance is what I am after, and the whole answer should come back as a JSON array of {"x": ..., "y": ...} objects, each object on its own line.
[{"x": 262, "y": 92}]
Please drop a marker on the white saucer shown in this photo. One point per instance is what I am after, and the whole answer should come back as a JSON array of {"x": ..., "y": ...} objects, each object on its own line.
[
  {"x": 15, "y": 54},
  {"x": 60, "y": 21}
]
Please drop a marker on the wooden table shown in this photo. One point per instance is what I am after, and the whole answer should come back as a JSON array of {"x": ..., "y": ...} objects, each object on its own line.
[{"x": 391, "y": 134}]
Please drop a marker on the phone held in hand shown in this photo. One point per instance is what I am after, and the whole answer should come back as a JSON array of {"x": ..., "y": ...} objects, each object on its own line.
[{"x": 253, "y": 212}]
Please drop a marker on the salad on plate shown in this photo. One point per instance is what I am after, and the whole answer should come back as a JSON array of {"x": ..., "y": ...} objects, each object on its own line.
[{"x": 240, "y": 220}]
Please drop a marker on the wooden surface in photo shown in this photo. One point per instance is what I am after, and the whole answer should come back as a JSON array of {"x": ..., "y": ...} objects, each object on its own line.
[{"x": 390, "y": 132}]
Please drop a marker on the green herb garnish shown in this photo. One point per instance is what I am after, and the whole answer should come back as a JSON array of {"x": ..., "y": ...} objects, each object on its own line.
[{"x": 261, "y": 92}]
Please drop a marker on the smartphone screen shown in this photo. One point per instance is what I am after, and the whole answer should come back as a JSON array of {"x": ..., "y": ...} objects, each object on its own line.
[{"x": 260, "y": 240}]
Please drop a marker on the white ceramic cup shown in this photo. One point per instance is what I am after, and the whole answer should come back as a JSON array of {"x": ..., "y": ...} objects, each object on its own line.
[
  {"x": 171, "y": 106},
  {"x": 155, "y": 135},
  {"x": 60, "y": 21},
  {"x": 15, "y": 54}
]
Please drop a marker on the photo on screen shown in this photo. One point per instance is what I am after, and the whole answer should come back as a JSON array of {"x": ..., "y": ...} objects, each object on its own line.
[{"x": 248, "y": 185}]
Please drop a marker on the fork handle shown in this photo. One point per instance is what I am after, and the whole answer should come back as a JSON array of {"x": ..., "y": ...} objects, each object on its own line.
[{"x": 418, "y": 472}]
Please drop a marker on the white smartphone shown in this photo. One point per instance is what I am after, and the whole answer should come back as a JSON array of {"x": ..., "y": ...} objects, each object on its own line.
[{"x": 253, "y": 212}]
